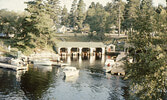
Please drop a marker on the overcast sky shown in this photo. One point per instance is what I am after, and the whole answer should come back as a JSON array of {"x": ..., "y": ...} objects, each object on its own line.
[{"x": 18, "y": 5}]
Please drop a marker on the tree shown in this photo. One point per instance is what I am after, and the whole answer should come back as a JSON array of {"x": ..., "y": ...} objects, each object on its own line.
[
  {"x": 131, "y": 9},
  {"x": 64, "y": 18},
  {"x": 111, "y": 18},
  {"x": 53, "y": 9},
  {"x": 90, "y": 16},
  {"x": 148, "y": 72},
  {"x": 145, "y": 13},
  {"x": 81, "y": 14},
  {"x": 21, "y": 39},
  {"x": 73, "y": 15},
  {"x": 116, "y": 11},
  {"x": 12, "y": 23},
  {"x": 101, "y": 16},
  {"x": 7, "y": 22},
  {"x": 96, "y": 18},
  {"x": 39, "y": 22}
]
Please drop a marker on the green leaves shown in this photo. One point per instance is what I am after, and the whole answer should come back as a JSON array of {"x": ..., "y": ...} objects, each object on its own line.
[
  {"x": 148, "y": 72},
  {"x": 41, "y": 21},
  {"x": 73, "y": 14},
  {"x": 81, "y": 14},
  {"x": 64, "y": 18}
]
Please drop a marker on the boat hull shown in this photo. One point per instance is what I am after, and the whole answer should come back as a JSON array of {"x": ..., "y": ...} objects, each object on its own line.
[
  {"x": 68, "y": 73},
  {"x": 107, "y": 69}
]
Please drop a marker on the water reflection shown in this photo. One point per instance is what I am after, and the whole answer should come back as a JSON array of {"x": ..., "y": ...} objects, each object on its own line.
[
  {"x": 80, "y": 60},
  {"x": 92, "y": 60},
  {"x": 69, "y": 59},
  {"x": 48, "y": 82},
  {"x": 10, "y": 85},
  {"x": 43, "y": 68},
  {"x": 35, "y": 82}
]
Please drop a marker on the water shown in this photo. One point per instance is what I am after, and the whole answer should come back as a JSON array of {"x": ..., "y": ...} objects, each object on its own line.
[{"x": 48, "y": 83}]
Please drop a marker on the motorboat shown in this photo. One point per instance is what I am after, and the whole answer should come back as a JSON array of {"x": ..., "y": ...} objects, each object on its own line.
[
  {"x": 70, "y": 71},
  {"x": 44, "y": 62},
  {"x": 107, "y": 69},
  {"x": 109, "y": 62},
  {"x": 72, "y": 78},
  {"x": 17, "y": 62},
  {"x": 108, "y": 65}
]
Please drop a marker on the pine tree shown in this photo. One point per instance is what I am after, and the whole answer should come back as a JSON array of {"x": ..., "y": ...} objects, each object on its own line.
[
  {"x": 81, "y": 14},
  {"x": 39, "y": 22},
  {"x": 64, "y": 18},
  {"x": 90, "y": 16},
  {"x": 73, "y": 14},
  {"x": 131, "y": 9},
  {"x": 100, "y": 18},
  {"x": 53, "y": 9},
  {"x": 115, "y": 18}
]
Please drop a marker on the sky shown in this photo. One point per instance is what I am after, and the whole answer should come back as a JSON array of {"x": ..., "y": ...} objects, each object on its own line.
[{"x": 18, "y": 5}]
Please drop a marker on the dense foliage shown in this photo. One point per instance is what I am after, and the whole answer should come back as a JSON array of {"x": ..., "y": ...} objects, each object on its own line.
[
  {"x": 148, "y": 72},
  {"x": 31, "y": 29}
]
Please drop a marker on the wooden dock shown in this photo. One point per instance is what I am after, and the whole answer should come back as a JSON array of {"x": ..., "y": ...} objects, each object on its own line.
[{"x": 13, "y": 67}]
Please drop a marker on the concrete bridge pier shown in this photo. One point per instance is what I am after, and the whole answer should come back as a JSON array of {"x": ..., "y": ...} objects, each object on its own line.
[
  {"x": 69, "y": 59},
  {"x": 68, "y": 51},
  {"x": 91, "y": 51},
  {"x": 80, "y": 51},
  {"x": 103, "y": 51},
  {"x": 92, "y": 59}
]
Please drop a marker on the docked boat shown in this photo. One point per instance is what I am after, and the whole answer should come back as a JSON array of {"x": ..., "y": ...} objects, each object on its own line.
[
  {"x": 72, "y": 79},
  {"x": 109, "y": 62},
  {"x": 70, "y": 71},
  {"x": 108, "y": 65},
  {"x": 44, "y": 62},
  {"x": 17, "y": 62}
]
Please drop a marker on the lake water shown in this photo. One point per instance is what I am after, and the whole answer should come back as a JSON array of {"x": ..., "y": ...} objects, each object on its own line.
[{"x": 48, "y": 83}]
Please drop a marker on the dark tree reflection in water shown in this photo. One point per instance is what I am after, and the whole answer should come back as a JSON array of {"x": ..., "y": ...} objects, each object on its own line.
[{"x": 48, "y": 82}]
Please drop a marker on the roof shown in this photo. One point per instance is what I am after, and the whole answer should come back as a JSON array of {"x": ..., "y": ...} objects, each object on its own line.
[{"x": 81, "y": 44}]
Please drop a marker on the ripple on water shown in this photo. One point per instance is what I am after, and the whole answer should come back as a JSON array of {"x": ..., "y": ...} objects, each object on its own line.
[{"x": 48, "y": 83}]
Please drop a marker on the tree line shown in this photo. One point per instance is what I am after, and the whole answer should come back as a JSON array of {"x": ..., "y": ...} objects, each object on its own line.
[{"x": 42, "y": 17}]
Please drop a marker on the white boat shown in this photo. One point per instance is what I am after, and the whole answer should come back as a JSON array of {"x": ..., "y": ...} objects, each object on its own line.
[
  {"x": 108, "y": 65},
  {"x": 17, "y": 62},
  {"x": 44, "y": 62},
  {"x": 107, "y": 69},
  {"x": 72, "y": 79},
  {"x": 70, "y": 71},
  {"x": 109, "y": 62}
]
